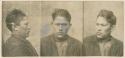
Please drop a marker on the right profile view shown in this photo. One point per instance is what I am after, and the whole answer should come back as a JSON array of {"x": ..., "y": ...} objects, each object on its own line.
[{"x": 103, "y": 43}]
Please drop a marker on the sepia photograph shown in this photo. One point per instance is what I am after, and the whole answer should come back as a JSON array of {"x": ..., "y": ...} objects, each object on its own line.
[
  {"x": 21, "y": 28},
  {"x": 62, "y": 28},
  {"x": 61, "y": 35},
  {"x": 104, "y": 32}
]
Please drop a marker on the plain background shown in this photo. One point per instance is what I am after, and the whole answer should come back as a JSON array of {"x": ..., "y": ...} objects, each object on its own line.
[
  {"x": 91, "y": 10},
  {"x": 33, "y": 12}
]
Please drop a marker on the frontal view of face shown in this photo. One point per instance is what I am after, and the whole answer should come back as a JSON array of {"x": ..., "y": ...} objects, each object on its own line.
[
  {"x": 61, "y": 26},
  {"x": 103, "y": 28}
]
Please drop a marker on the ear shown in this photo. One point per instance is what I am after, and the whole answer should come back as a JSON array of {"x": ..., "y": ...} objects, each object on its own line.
[
  {"x": 70, "y": 24},
  {"x": 113, "y": 27},
  {"x": 14, "y": 27}
]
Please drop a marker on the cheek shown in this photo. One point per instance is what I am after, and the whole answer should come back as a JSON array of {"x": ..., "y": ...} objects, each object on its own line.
[
  {"x": 66, "y": 28},
  {"x": 20, "y": 31},
  {"x": 23, "y": 29},
  {"x": 106, "y": 29}
]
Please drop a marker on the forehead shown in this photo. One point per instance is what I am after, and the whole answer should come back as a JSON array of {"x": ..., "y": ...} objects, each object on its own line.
[
  {"x": 24, "y": 19},
  {"x": 101, "y": 20},
  {"x": 60, "y": 19}
]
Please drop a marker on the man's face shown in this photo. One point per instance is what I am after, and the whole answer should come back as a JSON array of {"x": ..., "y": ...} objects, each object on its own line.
[
  {"x": 61, "y": 26},
  {"x": 103, "y": 28},
  {"x": 23, "y": 28}
]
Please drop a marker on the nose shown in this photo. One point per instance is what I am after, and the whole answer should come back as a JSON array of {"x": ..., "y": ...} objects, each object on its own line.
[
  {"x": 60, "y": 28},
  {"x": 98, "y": 28},
  {"x": 28, "y": 28}
]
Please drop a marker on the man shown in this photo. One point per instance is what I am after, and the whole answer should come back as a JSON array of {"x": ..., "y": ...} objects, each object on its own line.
[
  {"x": 60, "y": 43},
  {"x": 103, "y": 44},
  {"x": 17, "y": 44}
]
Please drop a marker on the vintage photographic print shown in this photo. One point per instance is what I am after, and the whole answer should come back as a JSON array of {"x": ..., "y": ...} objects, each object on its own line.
[
  {"x": 21, "y": 28},
  {"x": 104, "y": 32},
  {"x": 62, "y": 28},
  {"x": 62, "y": 34}
]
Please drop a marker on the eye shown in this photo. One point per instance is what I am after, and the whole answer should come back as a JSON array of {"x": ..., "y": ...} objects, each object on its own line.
[
  {"x": 103, "y": 24},
  {"x": 57, "y": 24},
  {"x": 26, "y": 23},
  {"x": 64, "y": 24}
]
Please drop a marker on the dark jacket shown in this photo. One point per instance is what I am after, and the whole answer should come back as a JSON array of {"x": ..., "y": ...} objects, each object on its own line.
[
  {"x": 16, "y": 46},
  {"x": 92, "y": 47},
  {"x": 49, "y": 48},
  {"x": 3, "y": 48}
]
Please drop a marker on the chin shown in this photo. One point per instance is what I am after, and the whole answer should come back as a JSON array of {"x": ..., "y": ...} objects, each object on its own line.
[
  {"x": 59, "y": 36},
  {"x": 99, "y": 37},
  {"x": 27, "y": 36}
]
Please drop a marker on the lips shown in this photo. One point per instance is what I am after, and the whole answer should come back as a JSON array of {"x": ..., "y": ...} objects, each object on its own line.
[
  {"x": 98, "y": 33},
  {"x": 28, "y": 32},
  {"x": 60, "y": 33}
]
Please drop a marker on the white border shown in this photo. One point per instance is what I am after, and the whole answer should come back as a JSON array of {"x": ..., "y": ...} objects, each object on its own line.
[{"x": 59, "y": 56}]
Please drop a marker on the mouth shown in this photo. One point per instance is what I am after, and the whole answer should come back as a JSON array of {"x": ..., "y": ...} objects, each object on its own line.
[
  {"x": 98, "y": 33},
  {"x": 28, "y": 32},
  {"x": 60, "y": 33}
]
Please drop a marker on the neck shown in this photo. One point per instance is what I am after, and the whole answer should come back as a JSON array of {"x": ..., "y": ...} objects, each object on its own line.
[
  {"x": 105, "y": 39},
  {"x": 18, "y": 36}
]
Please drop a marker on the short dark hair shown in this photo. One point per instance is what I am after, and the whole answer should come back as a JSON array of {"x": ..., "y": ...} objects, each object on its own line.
[
  {"x": 61, "y": 12},
  {"x": 108, "y": 15},
  {"x": 13, "y": 17}
]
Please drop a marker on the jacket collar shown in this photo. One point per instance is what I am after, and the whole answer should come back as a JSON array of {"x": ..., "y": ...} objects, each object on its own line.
[
  {"x": 18, "y": 37},
  {"x": 104, "y": 39}
]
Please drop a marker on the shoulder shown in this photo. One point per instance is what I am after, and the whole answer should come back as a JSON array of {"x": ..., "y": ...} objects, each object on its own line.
[
  {"x": 74, "y": 41},
  {"x": 47, "y": 38},
  {"x": 13, "y": 41},
  {"x": 91, "y": 38},
  {"x": 117, "y": 42}
]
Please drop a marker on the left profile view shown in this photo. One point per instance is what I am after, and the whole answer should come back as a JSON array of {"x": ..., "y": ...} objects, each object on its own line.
[{"x": 17, "y": 44}]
